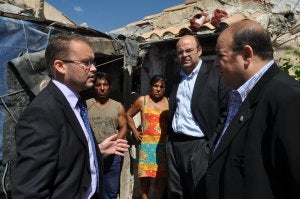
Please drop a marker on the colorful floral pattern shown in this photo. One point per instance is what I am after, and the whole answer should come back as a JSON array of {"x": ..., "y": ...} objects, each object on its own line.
[{"x": 152, "y": 155}]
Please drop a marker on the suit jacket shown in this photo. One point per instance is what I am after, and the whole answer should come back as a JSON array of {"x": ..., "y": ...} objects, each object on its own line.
[
  {"x": 209, "y": 106},
  {"x": 209, "y": 99},
  {"x": 259, "y": 154},
  {"x": 52, "y": 151}
]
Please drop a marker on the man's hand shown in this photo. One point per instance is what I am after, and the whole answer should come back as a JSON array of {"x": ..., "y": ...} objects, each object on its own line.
[{"x": 111, "y": 145}]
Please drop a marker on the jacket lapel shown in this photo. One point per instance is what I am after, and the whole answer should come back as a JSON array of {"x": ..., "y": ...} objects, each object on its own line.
[
  {"x": 245, "y": 112},
  {"x": 201, "y": 79},
  {"x": 69, "y": 114},
  {"x": 172, "y": 99},
  {"x": 198, "y": 92},
  {"x": 240, "y": 119},
  {"x": 71, "y": 117}
]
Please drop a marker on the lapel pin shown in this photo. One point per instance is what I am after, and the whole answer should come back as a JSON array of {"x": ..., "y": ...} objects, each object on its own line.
[{"x": 241, "y": 118}]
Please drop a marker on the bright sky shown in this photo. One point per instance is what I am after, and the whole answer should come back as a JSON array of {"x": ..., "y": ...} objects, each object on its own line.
[{"x": 107, "y": 15}]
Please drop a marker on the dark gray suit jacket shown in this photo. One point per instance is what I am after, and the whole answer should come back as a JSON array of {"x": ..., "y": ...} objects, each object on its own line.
[
  {"x": 52, "y": 151},
  {"x": 209, "y": 99},
  {"x": 259, "y": 155},
  {"x": 209, "y": 107}
]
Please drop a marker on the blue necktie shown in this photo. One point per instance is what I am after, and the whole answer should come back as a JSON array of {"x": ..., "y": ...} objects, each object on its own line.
[
  {"x": 85, "y": 118},
  {"x": 234, "y": 103}
]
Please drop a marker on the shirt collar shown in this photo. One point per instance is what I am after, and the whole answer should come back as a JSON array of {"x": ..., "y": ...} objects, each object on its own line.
[
  {"x": 245, "y": 89},
  {"x": 194, "y": 72},
  {"x": 70, "y": 95}
]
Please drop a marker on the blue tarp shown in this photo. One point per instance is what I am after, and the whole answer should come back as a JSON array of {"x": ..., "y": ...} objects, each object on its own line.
[{"x": 16, "y": 37}]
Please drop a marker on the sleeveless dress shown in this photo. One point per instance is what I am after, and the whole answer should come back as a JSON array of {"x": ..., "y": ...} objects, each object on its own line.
[{"x": 152, "y": 155}]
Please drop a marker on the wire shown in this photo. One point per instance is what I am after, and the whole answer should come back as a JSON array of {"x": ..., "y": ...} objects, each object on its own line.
[
  {"x": 3, "y": 179},
  {"x": 109, "y": 62}
]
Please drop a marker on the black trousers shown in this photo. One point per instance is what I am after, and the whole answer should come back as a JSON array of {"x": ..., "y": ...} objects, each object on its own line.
[{"x": 187, "y": 160}]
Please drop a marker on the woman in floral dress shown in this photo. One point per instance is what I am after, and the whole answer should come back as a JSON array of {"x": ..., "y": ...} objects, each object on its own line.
[{"x": 152, "y": 161}]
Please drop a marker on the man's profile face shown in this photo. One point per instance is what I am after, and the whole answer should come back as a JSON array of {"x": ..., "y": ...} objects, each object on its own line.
[
  {"x": 230, "y": 63},
  {"x": 79, "y": 76}
]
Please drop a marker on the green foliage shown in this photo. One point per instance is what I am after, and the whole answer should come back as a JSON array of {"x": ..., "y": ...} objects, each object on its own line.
[{"x": 292, "y": 65}]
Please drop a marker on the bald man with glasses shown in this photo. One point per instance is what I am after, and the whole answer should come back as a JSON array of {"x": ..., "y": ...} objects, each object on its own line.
[{"x": 197, "y": 98}]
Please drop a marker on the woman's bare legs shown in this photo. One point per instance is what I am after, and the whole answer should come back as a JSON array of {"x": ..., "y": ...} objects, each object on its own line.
[
  {"x": 145, "y": 187},
  {"x": 159, "y": 187}
]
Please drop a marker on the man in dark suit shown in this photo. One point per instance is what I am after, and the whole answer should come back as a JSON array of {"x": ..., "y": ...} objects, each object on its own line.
[
  {"x": 257, "y": 154},
  {"x": 196, "y": 100},
  {"x": 56, "y": 156}
]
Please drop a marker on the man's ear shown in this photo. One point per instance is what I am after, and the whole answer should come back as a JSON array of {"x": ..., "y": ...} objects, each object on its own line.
[
  {"x": 199, "y": 51},
  {"x": 59, "y": 66},
  {"x": 247, "y": 52}
]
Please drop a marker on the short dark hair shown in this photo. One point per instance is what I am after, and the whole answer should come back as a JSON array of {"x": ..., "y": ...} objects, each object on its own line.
[
  {"x": 157, "y": 78},
  {"x": 257, "y": 38},
  {"x": 102, "y": 75},
  {"x": 59, "y": 46}
]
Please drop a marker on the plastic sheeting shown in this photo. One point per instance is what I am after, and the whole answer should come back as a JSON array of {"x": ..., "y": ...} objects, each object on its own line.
[{"x": 17, "y": 37}]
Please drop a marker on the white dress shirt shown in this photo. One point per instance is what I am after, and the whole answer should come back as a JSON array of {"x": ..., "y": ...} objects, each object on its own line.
[{"x": 183, "y": 120}]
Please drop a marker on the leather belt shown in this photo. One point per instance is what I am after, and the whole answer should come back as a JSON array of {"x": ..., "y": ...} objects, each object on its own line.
[{"x": 183, "y": 137}]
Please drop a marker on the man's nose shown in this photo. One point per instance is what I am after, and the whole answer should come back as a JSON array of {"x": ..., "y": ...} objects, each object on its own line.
[
  {"x": 102, "y": 87},
  {"x": 93, "y": 68},
  {"x": 185, "y": 54}
]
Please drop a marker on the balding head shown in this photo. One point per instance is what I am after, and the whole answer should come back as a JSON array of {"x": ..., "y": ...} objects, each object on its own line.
[
  {"x": 248, "y": 32},
  {"x": 191, "y": 38},
  {"x": 242, "y": 50},
  {"x": 189, "y": 52}
]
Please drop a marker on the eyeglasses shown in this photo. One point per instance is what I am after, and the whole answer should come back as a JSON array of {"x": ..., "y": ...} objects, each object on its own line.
[
  {"x": 187, "y": 51},
  {"x": 87, "y": 64}
]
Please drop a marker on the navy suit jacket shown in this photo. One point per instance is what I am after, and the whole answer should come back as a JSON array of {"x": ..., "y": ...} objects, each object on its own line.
[
  {"x": 259, "y": 154},
  {"x": 52, "y": 151}
]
